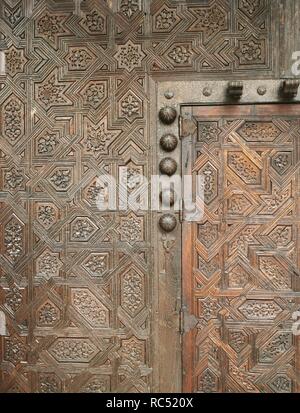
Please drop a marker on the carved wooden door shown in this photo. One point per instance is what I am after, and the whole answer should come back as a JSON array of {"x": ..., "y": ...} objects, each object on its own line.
[{"x": 241, "y": 260}]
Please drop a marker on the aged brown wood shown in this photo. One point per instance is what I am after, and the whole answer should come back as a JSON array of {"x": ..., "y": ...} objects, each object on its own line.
[
  {"x": 75, "y": 102},
  {"x": 241, "y": 261}
]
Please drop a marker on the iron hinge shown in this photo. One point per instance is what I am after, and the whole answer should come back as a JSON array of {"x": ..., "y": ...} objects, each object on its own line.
[
  {"x": 187, "y": 322},
  {"x": 187, "y": 126},
  {"x": 180, "y": 122},
  {"x": 181, "y": 321},
  {"x": 181, "y": 210}
]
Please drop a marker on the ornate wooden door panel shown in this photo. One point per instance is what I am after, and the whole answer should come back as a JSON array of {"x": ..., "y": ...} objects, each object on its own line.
[
  {"x": 241, "y": 261},
  {"x": 80, "y": 288}
]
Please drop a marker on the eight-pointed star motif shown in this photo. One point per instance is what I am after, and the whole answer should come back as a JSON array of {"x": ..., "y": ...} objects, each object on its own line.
[
  {"x": 97, "y": 137},
  {"x": 15, "y": 60},
  {"x": 129, "y": 56},
  {"x": 51, "y": 26},
  {"x": 51, "y": 92}
]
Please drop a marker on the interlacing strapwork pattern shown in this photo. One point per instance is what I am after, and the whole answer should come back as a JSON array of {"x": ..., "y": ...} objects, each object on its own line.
[
  {"x": 245, "y": 255},
  {"x": 75, "y": 282}
]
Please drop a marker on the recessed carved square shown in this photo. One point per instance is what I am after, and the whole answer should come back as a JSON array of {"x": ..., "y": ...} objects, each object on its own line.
[{"x": 208, "y": 132}]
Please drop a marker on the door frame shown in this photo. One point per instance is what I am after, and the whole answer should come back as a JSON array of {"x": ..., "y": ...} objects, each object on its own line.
[{"x": 169, "y": 319}]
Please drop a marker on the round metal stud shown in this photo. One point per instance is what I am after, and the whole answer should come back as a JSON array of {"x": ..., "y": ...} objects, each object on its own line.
[
  {"x": 167, "y": 115},
  {"x": 168, "y": 142},
  {"x": 169, "y": 94},
  {"x": 168, "y": 222},
  {"x": 168, "y": 166},
  {"x": 261, "y": 90},
  {"x": 167, "y": 197},
  {"x": 207, "y": 91}
]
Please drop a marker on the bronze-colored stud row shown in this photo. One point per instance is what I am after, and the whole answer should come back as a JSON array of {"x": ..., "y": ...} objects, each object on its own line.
[
  {"x": 168, "y": 197},
  {"x": 168, "y": 142},
  {"x": 168, "y": 222},
  {"x": 167, "y": 115},
  {"x": 168, "y": 166}
]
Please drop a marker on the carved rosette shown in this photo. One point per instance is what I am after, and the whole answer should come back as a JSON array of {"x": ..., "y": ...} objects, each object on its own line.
[
  {"x": 94, "y": 93},
  {"x": 82, "y": 229},
  {"x": 52, "y": 92},
  {"x": 48, "y": 314},
  {"x": 15, "y": 61},
  {"x": 47, "y": 143},
  {"x": 61, "y": 179},
  {"x": 15, "y": 350},
  {"x": 98, "y": 137},
  {"x": 132, "y": 228},
  {"x": 48, "y": 264},
  {"x": 251, "y": 52},
  {"x": 209, "y": 21},
  {"x": 181, "y": 54},
  {"x": 133, "y": 352},
  {"x": 93, "y": 22},
  {"x": 130, "y": 107},
  {"x": 46, "y": 214},
  {"x": 79, "y": 58},
  {"x": 208, "y": 132},
  {"x": 129, "y": 8},
  {"x": 129, "y": 56},
  {"x": 49, "y": 383},
  {"x": 165, "y": 19}
]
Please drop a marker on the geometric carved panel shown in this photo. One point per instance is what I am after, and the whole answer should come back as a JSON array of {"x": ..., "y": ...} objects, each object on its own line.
[
  {"x": 208, "y": 132},
  {"x": 79, "y": 350},
  {"x": 282, "y": 162},
  {"x": 210, "y": 177},
  {"x": 239, "y": 286},
  {"x": 75, "y": 104},
  {"x": 48, "y": 314},
  {"x": 244, "y": 168},
  {"x": 90, "y": 307},
  {"x": 132, "y": 292},
  {"x": 259, "y": 131},
  {"x": 13, "y": 126},
  {"x": 260, "y": 310}
]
